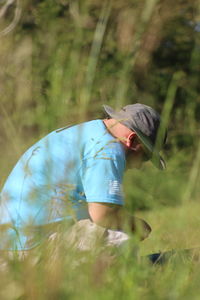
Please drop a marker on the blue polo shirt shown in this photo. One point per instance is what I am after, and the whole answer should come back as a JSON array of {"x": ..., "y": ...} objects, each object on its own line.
[{"x": 56, "y": 177}]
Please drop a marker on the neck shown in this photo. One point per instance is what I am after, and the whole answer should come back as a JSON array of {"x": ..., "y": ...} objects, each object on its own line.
[{"x": 118, "y": 130}]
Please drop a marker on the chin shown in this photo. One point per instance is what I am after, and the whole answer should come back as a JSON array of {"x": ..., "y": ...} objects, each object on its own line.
[{"x": 133, "y": 165}]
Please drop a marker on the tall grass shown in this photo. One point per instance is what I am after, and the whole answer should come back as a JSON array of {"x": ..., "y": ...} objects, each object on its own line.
[{"x": 58, "y": 66}]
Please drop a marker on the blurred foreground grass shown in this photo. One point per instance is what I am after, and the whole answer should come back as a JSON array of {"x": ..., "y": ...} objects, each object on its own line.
[{"x": 72, "y": 276}]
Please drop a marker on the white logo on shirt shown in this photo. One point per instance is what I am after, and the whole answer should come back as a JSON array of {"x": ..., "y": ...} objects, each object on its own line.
[{"x": 115, "y": 188}]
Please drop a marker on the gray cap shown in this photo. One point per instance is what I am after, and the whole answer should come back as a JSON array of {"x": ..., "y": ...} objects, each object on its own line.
[{"x": 145, "y": 122}]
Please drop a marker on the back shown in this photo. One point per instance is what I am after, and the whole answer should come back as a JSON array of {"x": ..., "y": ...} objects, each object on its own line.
[{"x": 54, "y": 178}]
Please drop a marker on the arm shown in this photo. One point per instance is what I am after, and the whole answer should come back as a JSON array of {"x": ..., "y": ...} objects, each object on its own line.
[{"x": 114, "y": 216}]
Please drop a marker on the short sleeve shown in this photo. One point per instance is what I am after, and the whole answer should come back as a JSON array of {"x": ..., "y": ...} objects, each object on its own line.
[{"x": 102, "y": 179}]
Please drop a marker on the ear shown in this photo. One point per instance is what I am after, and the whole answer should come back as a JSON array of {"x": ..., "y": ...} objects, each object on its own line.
[{"x": 130, "y": 139}]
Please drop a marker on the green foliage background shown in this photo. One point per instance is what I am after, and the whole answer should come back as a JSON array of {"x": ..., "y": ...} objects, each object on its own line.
[{"x": 63, "y": 59}]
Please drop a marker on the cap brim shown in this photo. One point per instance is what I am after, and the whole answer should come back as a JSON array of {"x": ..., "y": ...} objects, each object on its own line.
[{"x": 156, "y": 159}]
